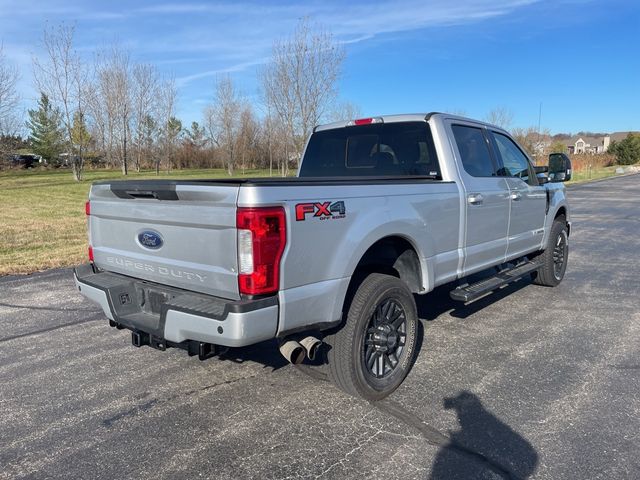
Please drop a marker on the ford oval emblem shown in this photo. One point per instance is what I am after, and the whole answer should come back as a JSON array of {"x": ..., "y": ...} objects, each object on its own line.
[{"x": 150, "y": 239}]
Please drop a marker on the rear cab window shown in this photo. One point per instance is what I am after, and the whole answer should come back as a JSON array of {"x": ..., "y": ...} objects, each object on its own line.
[{"x": 391, "y": 149}]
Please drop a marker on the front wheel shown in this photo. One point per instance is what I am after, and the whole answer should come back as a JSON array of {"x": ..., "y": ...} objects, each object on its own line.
[
  {"x": 373, "y": 352},
  {"x": 553, "y": 261}
]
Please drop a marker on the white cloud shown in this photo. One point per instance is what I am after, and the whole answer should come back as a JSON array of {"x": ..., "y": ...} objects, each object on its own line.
[
  {"x": 200, "y": 40},
  {"x": 247, "y": 29},
  {"x": 182, "y": 81}
]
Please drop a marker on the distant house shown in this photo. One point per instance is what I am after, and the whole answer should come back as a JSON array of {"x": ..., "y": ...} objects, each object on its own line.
[
  {"x": 594, "y": 145},
  {"x": 583, "y": 144}
]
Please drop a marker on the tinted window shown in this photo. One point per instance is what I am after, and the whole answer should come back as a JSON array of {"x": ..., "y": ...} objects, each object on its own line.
[
  {"x": 392, "y": 149},
  {"x": 515, "y": 162},
  {"x": 474, "y": 151}
]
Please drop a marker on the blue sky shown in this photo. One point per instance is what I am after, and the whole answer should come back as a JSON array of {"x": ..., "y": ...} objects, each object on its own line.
[{"x": 579, "y": 58}]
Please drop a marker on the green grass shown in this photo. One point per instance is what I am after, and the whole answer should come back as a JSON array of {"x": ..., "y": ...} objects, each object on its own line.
[
  {"x": 595, "y": 174},
  {"x": 42, "y": 221}
]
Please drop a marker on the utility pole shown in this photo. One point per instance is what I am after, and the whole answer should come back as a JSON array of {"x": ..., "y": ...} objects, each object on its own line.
[{"x": 539, "y": 122}]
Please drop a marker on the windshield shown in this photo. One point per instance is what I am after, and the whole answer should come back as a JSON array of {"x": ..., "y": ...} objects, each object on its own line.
[{"x": 393, "y": 149}]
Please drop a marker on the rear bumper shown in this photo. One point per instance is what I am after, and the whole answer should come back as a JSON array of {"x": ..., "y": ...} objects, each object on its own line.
[{"x": 169, "y": 315}]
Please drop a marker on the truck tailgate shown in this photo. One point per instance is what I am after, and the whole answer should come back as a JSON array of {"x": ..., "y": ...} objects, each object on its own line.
[{"x": 181, "y": 234}]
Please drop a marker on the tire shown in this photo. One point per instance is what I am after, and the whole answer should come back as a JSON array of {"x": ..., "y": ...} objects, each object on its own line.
[
  {"x": 381, "y": 327},
  {"x": 553, "y": 260}
]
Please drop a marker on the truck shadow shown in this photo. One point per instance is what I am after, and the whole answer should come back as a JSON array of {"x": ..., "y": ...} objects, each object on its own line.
[
  {"x": 483, "y": 446},
  {"x": 265, "y": 353},
  {"x": 430, "y": 307}
]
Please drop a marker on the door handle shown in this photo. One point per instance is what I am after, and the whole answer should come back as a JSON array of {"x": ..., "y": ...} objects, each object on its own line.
[
  {"x": 475, "y": 199},
  {"x": 515, "y": 196}
]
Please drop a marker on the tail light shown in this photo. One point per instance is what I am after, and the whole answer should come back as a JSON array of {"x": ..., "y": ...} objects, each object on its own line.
[
  {"x": 87, "y": 211},
  {"x": 262, "y": 235},
  {"x": 365, "y": 121}
]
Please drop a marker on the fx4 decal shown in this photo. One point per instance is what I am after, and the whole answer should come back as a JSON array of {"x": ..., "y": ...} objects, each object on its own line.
[{"x": 321, "y": 210}]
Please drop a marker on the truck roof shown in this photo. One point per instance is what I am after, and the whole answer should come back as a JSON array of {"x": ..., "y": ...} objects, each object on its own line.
[{"x": 403, "y": 117}]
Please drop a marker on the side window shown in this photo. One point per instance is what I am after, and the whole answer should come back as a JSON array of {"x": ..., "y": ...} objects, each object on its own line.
[
  {"x": 514, "y": 161},
  {"x": 474, "y": 151}
]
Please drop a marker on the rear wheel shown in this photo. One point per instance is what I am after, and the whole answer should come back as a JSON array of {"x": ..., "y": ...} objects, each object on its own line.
[
  {"x": 373, "y": 352},
  {"x": 553, "y": 261}
]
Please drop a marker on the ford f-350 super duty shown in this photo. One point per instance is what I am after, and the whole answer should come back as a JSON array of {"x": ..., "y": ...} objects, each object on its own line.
[{"x": 328, "y": 262}]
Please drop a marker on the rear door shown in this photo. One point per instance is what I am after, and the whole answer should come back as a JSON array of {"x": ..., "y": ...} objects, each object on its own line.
[
  {"x": 486, "y": 198},
  {"x": 528, "y": 199},
  {"x": 181, "y": 234}
]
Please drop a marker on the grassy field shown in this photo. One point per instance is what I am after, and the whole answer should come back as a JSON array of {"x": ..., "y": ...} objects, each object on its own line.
[
  {"x": 42, "y": 221},
  {"x": 586, "y": 175}
]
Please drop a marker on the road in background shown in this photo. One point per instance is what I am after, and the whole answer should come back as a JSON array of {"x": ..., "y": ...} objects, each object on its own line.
[{"x": 530, "y": 382}]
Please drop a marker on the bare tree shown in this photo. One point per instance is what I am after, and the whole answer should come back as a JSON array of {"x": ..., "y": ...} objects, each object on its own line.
[
  {"x": 460, "y": 112},
  {"x": 248, "y": 135},
  {"x": 501, "y": 117},
  {"x": 344, "y": 111},
  {"x": 115, "y": 89},
  {"x": 167, "y": 98},
  {"x": 532, "y": 140},
  {"x": 223, "y": 119},
  {"x": 9, "y": 97},
  {"x": 300, "y": 82},
  {"x": 63, "y": 78},
  {"x": 278, "y": 145},
  {"x": 146, "y": 83}
]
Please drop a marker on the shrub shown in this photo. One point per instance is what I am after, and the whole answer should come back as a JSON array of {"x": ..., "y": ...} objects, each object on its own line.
[
  {"x": 627, "y": 151},
  {"x": 582, "y": 161}
]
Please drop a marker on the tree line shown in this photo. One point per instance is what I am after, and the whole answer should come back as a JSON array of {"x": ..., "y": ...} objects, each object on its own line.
[
  {"x": 112, "y": 111},
  {"x": 116, "y": 112}
]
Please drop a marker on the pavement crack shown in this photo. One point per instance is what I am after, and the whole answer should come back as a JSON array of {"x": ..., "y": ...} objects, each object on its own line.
[
  {"x": 348, "y": 454},
  {"x": 144, "y": 407},
  {"x": 99, "y": 316},
  {"x": 148, "y": 405},
  {"x": 218, "y": 384},
  {"x": 430, "y": 434},
  {"x": 50, "y": 309}
]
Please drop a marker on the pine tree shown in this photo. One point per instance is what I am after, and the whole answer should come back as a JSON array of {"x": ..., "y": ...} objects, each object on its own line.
[
  {"x": 627, "y": 151},
  {"x": 46, "y": 136}
]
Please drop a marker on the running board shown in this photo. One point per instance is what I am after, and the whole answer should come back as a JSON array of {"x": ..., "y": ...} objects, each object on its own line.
[{"x": 469, "y": 293}]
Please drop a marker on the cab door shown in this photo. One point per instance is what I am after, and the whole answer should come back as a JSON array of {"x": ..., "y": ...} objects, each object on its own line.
[
  {"x": 528, "y": 199},
  {"x": 486, "y": 198}
]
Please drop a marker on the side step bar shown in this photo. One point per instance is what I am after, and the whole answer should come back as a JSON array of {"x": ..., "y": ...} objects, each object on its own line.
[{"x": 469, "y": 293}]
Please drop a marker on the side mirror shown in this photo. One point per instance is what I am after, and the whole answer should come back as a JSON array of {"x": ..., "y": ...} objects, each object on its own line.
[
  {"x": 542, "y": 178},
  {"x": 559, "y": 167}
]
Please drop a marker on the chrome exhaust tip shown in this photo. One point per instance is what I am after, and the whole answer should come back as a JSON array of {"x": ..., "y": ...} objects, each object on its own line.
[
  {"x": 293, "y": 352},
  {"x": 311, "y": 345}
]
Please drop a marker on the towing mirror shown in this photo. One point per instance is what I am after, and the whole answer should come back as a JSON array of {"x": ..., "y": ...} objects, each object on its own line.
[
  {"x": 542, "y": 178},
  {"x": 542, "y": 174},
  {"x": 559, "y": 167}
]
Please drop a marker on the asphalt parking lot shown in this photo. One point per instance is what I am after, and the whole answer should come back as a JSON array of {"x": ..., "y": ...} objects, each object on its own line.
[{"x": 529, "y": 382}]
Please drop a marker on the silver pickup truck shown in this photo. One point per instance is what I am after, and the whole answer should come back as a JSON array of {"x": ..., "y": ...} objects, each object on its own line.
[{"x": 328, "y": 263}]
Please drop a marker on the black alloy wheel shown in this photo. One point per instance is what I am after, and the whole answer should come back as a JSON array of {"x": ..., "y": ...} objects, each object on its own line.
[{"x": 385, "y": 339}]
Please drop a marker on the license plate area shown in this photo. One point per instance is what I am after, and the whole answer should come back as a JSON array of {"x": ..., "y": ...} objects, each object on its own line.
[{"x": 152, "y": 299}]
